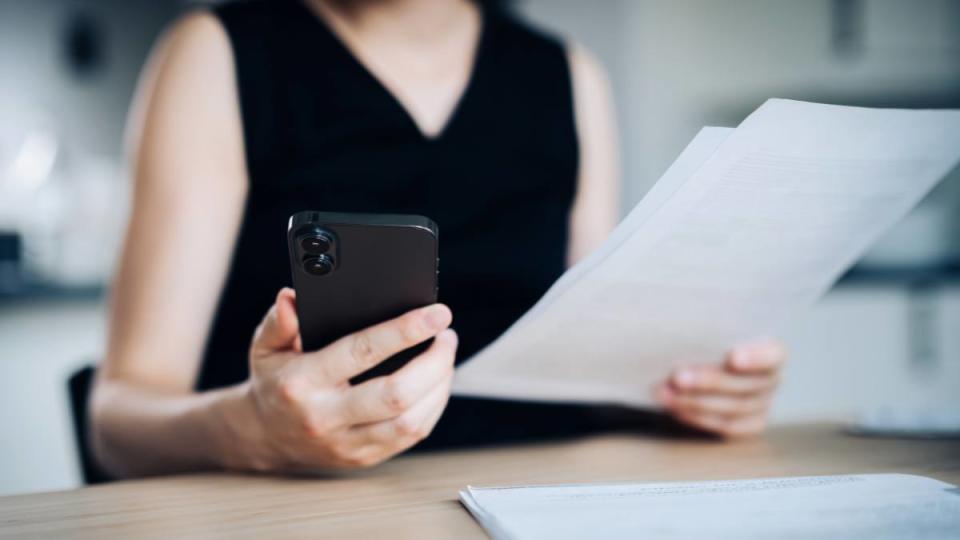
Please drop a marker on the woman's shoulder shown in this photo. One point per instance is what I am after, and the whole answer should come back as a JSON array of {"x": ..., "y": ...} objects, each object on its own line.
[{"x": 192, "y": 44}]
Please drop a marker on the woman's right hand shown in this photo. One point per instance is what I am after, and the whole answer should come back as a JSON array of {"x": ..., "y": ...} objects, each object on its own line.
[{"x": 301, "y": 412}]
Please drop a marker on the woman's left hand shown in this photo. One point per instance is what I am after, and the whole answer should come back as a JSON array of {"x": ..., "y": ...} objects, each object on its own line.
[{"x": 731, "y": 399}]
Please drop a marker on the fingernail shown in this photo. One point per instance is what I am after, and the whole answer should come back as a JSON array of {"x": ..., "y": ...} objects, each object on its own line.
[
  {"x": 436, "y": 317},
  {"x": 686, "y": 378},
  {"x": 450, "y": 337},
  {"x": 663, "y": 395},
  {"x": 741, "y": 358}
]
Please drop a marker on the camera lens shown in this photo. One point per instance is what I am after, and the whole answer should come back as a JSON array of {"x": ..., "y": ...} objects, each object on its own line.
[
  {"x": 315, "y": 244},
  {"x": 318, "y": 266}
]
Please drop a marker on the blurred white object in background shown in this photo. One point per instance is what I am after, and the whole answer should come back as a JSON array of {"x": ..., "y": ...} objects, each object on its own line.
[
  {"x": 72, "y": 236},
  {"x": 27, "y": 169},
  {"x": 34, "y": 162},
  {"x": 68, "y": 206}
]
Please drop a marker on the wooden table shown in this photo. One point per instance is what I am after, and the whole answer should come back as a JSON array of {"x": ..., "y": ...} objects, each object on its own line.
[{"x": 416, "y": 497}]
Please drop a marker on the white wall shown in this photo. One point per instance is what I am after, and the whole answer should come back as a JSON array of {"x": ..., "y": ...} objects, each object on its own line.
[
  {"x": 677, "y": 65},
  {"x": 41, "y": 343},
  {"x": 35, "y": 90},
  {"x": 863, "y": 350}
]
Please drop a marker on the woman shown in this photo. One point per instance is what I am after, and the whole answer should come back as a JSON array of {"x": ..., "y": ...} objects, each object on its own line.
[{"x": 437, "y": 107}]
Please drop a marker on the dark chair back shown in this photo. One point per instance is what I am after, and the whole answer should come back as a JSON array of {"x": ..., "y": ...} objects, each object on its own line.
[{"x": 79, "y": 386}]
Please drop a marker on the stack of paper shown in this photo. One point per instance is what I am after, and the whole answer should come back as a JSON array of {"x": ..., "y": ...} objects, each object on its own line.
[
  {"x": 746, "y": 229},
  {"x": 867, "y": 507}
]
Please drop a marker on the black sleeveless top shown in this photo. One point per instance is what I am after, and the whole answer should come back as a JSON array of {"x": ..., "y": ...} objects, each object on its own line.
[{"x": 322, "y": 133}]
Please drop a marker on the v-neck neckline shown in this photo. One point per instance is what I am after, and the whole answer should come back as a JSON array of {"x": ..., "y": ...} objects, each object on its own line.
[{"x": 479, "y": 53}]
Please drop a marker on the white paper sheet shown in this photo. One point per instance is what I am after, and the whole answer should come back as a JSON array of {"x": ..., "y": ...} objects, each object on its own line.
[
  {"x": 867, "y": 507},
  {"x": 748, "y": 227}
]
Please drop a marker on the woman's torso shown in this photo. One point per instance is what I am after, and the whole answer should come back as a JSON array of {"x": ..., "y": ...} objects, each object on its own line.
[{"x": 322, "y": 133}]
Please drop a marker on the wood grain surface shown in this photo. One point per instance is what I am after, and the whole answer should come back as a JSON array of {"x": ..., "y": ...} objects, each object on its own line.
[{"x": 416, "y": 496}]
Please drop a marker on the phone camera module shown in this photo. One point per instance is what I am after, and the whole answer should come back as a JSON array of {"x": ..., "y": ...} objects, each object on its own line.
[
  {"x": 315, "y": 244},
  {"x": 318, "y": 266}
]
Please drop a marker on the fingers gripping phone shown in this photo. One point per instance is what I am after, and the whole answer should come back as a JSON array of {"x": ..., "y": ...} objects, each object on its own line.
[{"x": 352, "y": 271}]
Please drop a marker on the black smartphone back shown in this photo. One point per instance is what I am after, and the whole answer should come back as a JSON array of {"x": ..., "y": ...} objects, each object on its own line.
[{"x": 351, "y": 271}]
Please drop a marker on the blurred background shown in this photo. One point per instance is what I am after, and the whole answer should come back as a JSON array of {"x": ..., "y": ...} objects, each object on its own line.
[{"x": 882, "y": 350}]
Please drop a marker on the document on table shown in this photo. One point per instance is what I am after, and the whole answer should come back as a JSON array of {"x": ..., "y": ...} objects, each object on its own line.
[
  {"x": 867, "y": 507},
  {"x": 746, "y": 229}
]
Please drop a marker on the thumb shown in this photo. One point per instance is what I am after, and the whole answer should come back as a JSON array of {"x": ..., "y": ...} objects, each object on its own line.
[
  {"x": 758, "y": 357},
  {"x": 280, "y": 328}
]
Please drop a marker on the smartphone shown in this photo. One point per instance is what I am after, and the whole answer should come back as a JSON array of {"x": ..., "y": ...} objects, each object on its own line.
[{"x": 351, "y": 271}]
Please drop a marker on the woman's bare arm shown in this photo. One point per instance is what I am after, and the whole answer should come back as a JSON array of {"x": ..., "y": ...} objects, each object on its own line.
[
  {"x": 186, "y": 152},
  {"x": 596, "y": 207}
]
